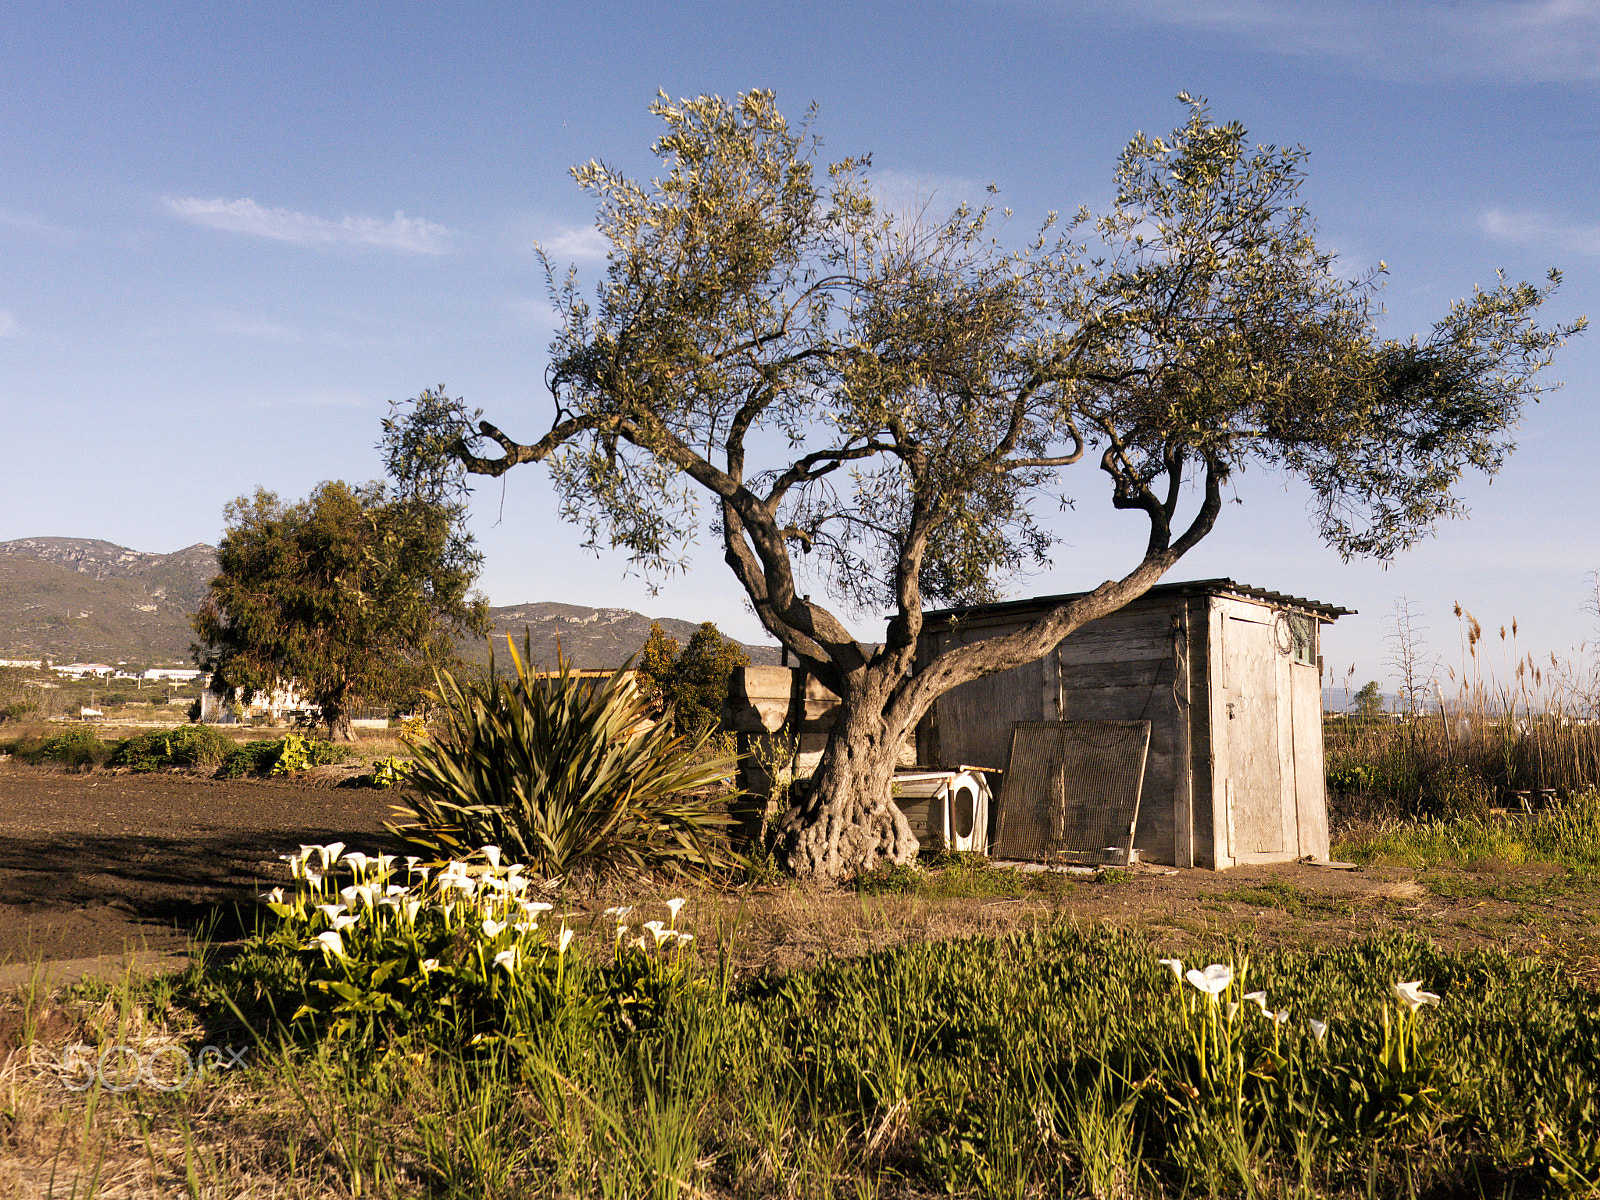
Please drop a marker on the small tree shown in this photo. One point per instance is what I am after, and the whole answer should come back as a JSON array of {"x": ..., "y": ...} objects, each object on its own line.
[
  {"x": 350, "y": 595},
  {"x": 1369, "y": 701},
  {"x": 691, "y": 684},
  {"x": 656, "y": 660},
  {"x": 890, "y": 398},
  {"x": 700, "y": 678}
]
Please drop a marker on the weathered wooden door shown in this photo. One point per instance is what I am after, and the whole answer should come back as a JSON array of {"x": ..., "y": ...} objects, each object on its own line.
[{"x": 1256, "y": 776}]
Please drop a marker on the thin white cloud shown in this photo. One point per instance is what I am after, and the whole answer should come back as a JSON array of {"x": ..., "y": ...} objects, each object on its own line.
[
  {"x": 911, "y": 192},
  {"x": 8, "y": 324},
  {"x": 584, "y": 242},
  {"x": 415, "y": 234},
  {"x": 1475, "y": 39},
  {"x": 27, "y": 221},
  {"x": 535, "y": 314},
  {"x": 1544, "y": 232}
]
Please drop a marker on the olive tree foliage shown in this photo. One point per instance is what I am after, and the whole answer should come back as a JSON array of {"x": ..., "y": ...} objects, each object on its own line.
[
  {"x": 881, "y": 404},
  {"x": 352, "y": 595}
]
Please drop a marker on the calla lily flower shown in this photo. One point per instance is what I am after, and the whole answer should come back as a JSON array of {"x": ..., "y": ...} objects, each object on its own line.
[
  {"x": 685, "y": 938},
  {"x": 1413, "y": 995},
  {"x": 358, "y": 861},
  {"x": 1320, "y": 1029},
  {"x": 492, "y": 853},
  {"x": 491, "y": 927},
  {"x": 658, "y": 930},
  {"x": 534, "y": 907},
  {"x": 344, "y": 922},
  {"x": 315, "y": 880},
  {"x": 331, "y": 911},
  {"x": 429, "y": 964},
  {"x": 329, "y": 942},
  {"x": 330, "y": 853},
  {"x": 275, "y": 896},
  {"x": 1213, "y": 980},
  {"x": 566, "y": 940},
  {"x": 1259, "y": 999},
  {"x": 619, "y": 911},
  {"x": 1175, "y": 965},
  {"x": 507, "y": 958},
  {"x": 674, "y": 905}
]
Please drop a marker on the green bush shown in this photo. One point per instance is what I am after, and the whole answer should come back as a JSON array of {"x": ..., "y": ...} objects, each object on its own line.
[
  {"x": 284, "y": 756},
  {"x": 563, "y": 773},
  {"x": 250, "y": 758},
  {"x": 390, "y": 772},
  {"x": 184, "y": 746},
  {"x": 78, "y": 747},
  {"x": 16, "y": 711}
]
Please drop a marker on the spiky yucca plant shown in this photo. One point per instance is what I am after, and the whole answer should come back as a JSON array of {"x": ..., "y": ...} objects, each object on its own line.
[{"x": 563, "y": 773}]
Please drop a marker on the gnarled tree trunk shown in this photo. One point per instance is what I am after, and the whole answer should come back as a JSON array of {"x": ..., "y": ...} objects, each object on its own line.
[{"x": 846, "y": 823}]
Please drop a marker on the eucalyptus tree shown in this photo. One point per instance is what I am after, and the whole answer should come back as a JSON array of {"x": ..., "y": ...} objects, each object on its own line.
[
  {"x": 352, "y": 595},
  {"x": 880, "y": 404}
]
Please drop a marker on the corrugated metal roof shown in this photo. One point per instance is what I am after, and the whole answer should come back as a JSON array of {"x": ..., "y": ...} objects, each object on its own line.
[{"x": 1193, "y": 587}]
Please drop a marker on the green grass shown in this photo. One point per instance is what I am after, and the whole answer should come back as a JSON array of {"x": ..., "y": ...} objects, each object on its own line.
[
  {"x": 961, "y": 876},
  {"x": 1565, "y": 835},
  {"x": 1064, "y": 1061},
  {"x": 1061, "y": 1061},
  {"x": 1460, "y": 887},
  {"x": 1295, "y": 901}
]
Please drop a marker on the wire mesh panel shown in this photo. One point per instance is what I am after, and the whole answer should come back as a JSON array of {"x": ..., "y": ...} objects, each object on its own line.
[{"x": 1072, "y": 791}]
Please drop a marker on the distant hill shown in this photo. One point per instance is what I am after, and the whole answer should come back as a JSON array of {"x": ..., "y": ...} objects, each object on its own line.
[
  {"x": 77, "y": 599},
  {"x": 589, "y": 637},
  {"x": 80, "y": 600}
]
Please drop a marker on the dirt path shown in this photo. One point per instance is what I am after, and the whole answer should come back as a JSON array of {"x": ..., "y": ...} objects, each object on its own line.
[{"x": 95, "y": 866}]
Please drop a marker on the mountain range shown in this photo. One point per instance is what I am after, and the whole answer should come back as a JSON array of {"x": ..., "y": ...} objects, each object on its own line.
[{"x": 83, "y": 600}]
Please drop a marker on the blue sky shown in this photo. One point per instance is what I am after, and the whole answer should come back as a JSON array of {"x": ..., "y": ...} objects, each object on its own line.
[{"x": 231, "y": 234}]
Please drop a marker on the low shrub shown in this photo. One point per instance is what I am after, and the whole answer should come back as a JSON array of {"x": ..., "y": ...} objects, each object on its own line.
[
  {"x": 563, "y": 773},
  {"x": 162, "y": 749},
  {"x": 282, "y": 756},
  {"x": 390, "y": 772},
  {"x": 76, "y": 747}
]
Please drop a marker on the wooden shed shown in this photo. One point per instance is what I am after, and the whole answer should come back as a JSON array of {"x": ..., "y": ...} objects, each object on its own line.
[{"x": 1198, "y": 708}]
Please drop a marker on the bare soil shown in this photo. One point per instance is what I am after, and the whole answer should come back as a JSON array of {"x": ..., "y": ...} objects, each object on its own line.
[{"x": 98, "y": 864}]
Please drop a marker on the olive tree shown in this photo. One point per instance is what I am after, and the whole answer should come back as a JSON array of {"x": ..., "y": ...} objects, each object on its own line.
[
  {"x": 879, "y": 403},
  {"x": 351, "y": 595}
]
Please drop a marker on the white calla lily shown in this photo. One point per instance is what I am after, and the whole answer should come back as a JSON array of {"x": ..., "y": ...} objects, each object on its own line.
[
  {"x": 1175, "y": 965},
  {"x": 1213, "y": 981},
  {"x": 329, "y": 942},
  {"x": 1413, "y": 995}
]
